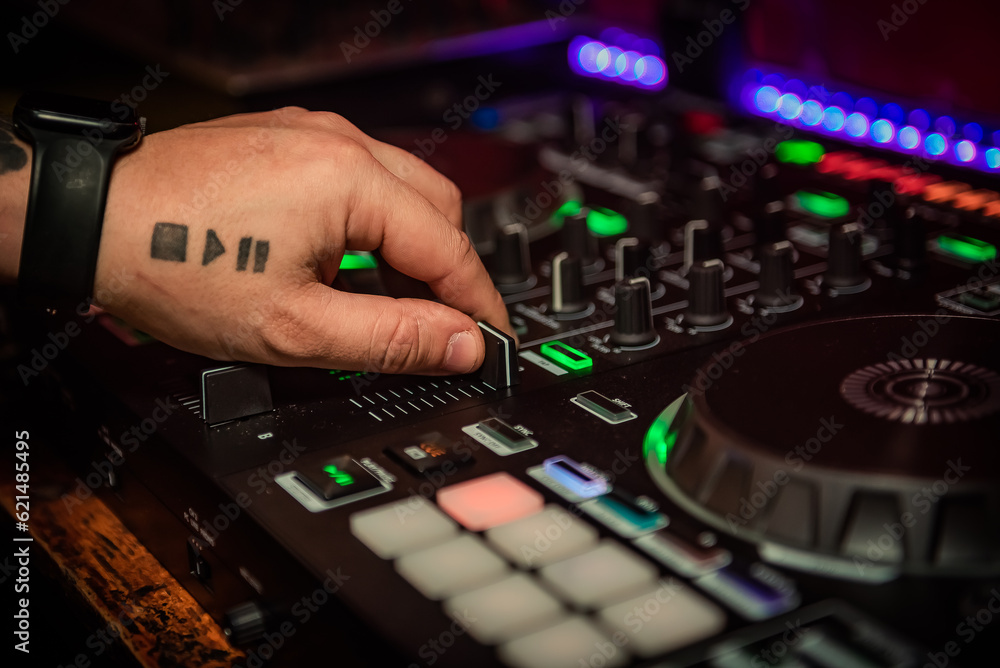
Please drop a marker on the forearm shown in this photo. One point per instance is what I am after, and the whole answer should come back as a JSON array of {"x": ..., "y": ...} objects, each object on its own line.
[{"x": 15, "y": 168}]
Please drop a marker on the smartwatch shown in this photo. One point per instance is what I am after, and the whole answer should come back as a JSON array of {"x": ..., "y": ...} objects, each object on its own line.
[{"x": 75, "y": 141}]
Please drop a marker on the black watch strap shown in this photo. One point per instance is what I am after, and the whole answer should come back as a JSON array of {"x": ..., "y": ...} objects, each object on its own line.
[
  {"x": 74, "y": 142},
  {"x": 65, "y": 215}
]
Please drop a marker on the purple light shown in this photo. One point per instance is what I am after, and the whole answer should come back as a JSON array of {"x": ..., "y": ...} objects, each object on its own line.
[
  {"x": 833, "y": 119},
  {"x": 650, "y": 71},
  {"x": 856, "y": 124},
  {"x": 965, "y": 150},
  {"x": 628, "y": 72},
  {"x": 935, "y": 144},
  {"x": 973, "y": 132},
  {"x": 842, "y": 100},
  {"x": 882, "y": 131},
  {"x": 894, "y": 113},
  {"x": 993, "y": 158},
  {"x": 909, "y": 137},
  {"x": 789, "y": 106},
  {"x": 812, "y": 113},
  {"x": 587, "y": 55},
  {"x": 866, "y": 106},
  {"x": 919, "y": 119},
  {"x": 945, "y": 125},
  {"x": 608, "y": 61},
  {"x": 766, "y": 99}
]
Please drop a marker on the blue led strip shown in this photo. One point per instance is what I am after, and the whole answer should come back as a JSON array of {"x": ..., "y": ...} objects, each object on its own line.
[
  {"x": 863, "y": 121},
  {"x": 620, "y": 57}
]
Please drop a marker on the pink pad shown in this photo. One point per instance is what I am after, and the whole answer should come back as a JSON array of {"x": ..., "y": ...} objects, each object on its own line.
[{"x": 490, "y": 501}]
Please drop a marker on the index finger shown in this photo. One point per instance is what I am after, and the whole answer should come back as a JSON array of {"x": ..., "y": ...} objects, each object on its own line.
[{"x": 418, "y": 240}]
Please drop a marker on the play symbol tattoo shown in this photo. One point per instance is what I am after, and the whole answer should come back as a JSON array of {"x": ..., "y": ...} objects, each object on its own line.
[{"x": 170, "y": 242}]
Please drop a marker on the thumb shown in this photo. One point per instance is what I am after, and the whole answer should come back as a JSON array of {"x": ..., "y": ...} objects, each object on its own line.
[{"x": 377, "y": 333}]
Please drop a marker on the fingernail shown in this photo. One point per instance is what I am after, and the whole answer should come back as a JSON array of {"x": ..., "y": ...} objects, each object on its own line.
[{"x": 462, "y": 353}]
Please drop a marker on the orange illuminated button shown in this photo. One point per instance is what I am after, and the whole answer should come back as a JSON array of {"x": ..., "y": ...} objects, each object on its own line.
[
  {"x": 992, "y": 209},
  {"x": 483, "y": 503},
  {"x": 975, "y": 199},
  {"x": 944, "y": 192}
]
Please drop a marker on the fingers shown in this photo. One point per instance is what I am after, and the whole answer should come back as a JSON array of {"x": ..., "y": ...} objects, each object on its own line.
[
  {"x": 439, "y": 190},
  {"x": 374, "y": 333},
  {"x": 416, "y": 239}
]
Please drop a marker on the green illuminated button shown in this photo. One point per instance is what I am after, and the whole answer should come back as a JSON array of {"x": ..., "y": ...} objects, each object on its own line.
[
  {"x": 358, "y": 260},
  {"x": 967, "y": 248},
  {"x": 799, "y": 152},
  {"x": 567, "y": 357},
  {"x": 981, "y": 300},
  {"x": 606, "y": 223},
  {"x": 822, "y": 204},
  {"x": 339, "y": 477}
]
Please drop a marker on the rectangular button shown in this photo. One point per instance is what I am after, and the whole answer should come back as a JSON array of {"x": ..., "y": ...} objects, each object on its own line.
[
  {"x": 574, "y": 477},
  {"x": 506, "y": 434},
  {"x": 602, "y": 407},
  {"x": 339, "y": 477},
  {"x": 567, "y": 356},
  {"x": 429, "y": 452}
]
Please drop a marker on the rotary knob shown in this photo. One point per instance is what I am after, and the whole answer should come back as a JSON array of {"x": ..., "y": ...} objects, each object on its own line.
[
  {"x": 511, "y": 260},
  {"x": 567, "y": 285},
  {"x": 706, "y": 295},
  {"x": 633, "y": 314},
  {"x": 577, "y": 240},
  {"x": 633, "y": 259},
  {"x": 909, "y": 240},
  {"x": 843, "y": 264},
  {"x": 776, "y": 274},
  {"x": 702, "y": 241}
]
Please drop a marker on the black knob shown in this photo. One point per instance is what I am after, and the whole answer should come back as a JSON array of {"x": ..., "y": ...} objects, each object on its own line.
[
  {"x": 706, "y": 294},
  {"x": 647, "y": 217},
  {"x": 633, "y": 259},
  {"x": 708, "y": 202},
  {"x": 233, "y": 392},
  {"x": 843, "y": 262},
  {"x": 511, "y": 262},
  {"x": 776, "y": 274},
  {"x": 500, "y": 367},
  {"x": 702, "y": 241},
  {"x": 567, "y": 284},
  {"x": 633, "y": 313},
  {"x": 577, "y": 240},
  {"x": 909, "y": 240},
  {"x": 769, "y": 225}
]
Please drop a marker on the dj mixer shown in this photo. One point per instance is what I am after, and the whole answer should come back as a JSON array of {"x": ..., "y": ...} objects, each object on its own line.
[{"x": 750, "y": 417}]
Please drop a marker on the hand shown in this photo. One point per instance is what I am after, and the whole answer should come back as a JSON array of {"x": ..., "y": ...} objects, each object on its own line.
[{"x": 221, "y": 238}]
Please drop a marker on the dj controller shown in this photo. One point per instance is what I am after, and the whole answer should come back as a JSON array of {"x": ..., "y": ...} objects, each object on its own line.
[{"x": 751, "y": 418}]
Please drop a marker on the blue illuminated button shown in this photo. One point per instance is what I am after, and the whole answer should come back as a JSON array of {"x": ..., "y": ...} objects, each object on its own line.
[
  {"x": 574, "y": 477},
  {"x": 757, "y": 593},
  {"x": 627, "y": 515}
]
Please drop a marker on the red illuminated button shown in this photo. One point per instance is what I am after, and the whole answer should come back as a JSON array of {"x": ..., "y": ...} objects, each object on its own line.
[
  {"x": 914, "y": 184},
  {"x": 490, "y": 501},
  {"x": 834, "y": 163}
]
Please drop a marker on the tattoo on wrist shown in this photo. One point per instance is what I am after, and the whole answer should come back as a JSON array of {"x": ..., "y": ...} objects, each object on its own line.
[
  {"x": 170, "y": 241},
  {"x": 12, "y": 156}
]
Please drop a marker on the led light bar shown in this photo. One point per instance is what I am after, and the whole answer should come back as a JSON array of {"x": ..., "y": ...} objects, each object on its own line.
[
  {"x": 620, "y": 57},
  {"x": 863, "y": 121}
]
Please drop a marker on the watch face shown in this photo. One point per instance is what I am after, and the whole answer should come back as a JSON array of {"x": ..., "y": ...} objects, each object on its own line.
[{"x": 77, "y": 115}]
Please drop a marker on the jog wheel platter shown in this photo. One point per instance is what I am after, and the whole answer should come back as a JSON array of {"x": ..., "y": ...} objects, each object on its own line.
[{"x": 851, "y": 445}]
